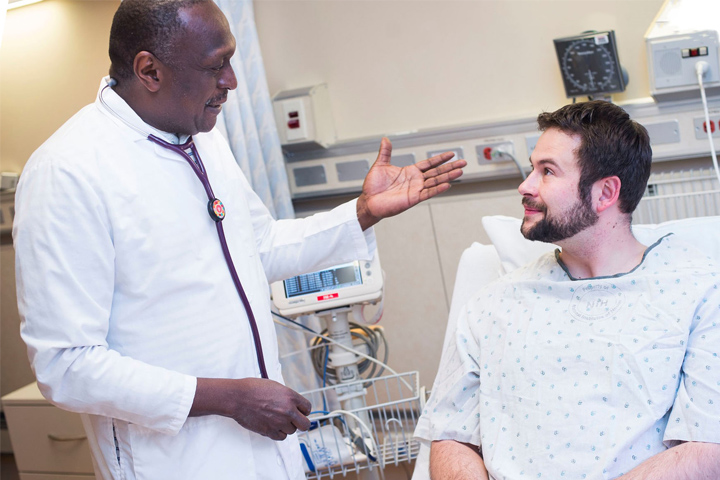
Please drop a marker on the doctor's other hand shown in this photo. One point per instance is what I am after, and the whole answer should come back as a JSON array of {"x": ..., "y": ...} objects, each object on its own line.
[
  {"x": 260, "y": 405},
  {"x": 389, "y": 190}
]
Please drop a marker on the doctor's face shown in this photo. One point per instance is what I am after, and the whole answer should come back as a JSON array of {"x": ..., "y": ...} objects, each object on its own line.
[
  {"x": 554, "y": 210},
  {"x": 199, "y": 76}
]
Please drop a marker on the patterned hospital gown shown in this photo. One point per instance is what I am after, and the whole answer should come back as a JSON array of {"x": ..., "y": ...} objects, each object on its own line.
[{"x": 560, "y": 378}]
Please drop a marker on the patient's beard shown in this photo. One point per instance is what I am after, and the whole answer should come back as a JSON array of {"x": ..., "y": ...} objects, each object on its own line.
[{"x": 568, "y": 223}]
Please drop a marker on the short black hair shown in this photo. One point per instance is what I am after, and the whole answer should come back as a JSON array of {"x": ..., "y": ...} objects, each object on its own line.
[
  {"x": 144, "y": 25},
  {"x": 611, "y": 145}
]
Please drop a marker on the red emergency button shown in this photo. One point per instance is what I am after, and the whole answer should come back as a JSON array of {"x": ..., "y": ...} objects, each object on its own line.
[
  {"x": 329, "y": 296},
  {"x": 294, "y": 123}
]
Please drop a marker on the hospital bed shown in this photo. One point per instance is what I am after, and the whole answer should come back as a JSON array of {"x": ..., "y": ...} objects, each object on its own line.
[{"x": 481, "y": 264}]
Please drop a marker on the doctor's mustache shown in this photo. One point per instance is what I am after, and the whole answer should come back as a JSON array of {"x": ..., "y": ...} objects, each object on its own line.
[{"x": 220, "y": 99}]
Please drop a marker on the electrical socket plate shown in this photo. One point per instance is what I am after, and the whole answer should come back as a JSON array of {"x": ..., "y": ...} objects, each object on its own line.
[
  {"x": 506, "y": 152},
  {"x": 458, "y": 151},
  {"x": 531, "y": 141},
  {"x": 700, "y": 132}
]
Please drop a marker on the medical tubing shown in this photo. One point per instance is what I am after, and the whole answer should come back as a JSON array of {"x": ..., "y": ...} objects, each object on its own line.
[
  {"x": 369, "y": 336},
  {"x": 699, "y": 72},
  {"x": 298, "y": 326},
  {"x": 379, "y": 458},
  {"x": 199, "y": 170},
  {"x": 520, "y": 168},
  {"x": 245, "y": 301}
]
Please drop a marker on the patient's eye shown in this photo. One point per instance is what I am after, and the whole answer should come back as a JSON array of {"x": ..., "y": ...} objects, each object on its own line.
[{"x": 547, "y": 171}]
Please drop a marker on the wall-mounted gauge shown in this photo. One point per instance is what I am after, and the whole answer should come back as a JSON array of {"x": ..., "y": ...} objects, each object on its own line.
[{"x": 589, "y": 64}]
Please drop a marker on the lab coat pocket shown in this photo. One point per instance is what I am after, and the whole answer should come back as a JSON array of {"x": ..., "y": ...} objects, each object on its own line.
[
  {"x": 210, "y": 447},
  {"x": 292, "y": 457}
]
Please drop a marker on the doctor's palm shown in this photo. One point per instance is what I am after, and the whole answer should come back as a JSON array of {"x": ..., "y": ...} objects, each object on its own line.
[{"x": 389, "y": 189}]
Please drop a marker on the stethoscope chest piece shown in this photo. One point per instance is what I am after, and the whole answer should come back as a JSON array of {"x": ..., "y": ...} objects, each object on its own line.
[{"x": 216, "y": 209}]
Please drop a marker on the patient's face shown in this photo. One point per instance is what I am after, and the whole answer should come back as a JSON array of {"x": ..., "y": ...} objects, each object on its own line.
[{"x": 553, "y": 208}]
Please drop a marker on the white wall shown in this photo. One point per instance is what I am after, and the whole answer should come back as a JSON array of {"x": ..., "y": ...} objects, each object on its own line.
[
  {"x": 400, "y": 65},
  {"x": 391, "y": 66},
  {"x": 52, "y": 57}
]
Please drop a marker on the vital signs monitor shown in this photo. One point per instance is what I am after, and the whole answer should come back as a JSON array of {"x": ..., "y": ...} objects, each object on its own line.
[{"x": 339, "y": 286}]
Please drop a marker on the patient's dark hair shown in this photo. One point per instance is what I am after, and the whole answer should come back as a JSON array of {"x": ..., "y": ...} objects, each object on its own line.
[
  {"x": 145, "y": 25},
  {"x": 611, "y": 145}
]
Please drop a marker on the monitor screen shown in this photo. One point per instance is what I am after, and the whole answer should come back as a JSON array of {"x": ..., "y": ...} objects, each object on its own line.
[{"x": 340, "y": 276}]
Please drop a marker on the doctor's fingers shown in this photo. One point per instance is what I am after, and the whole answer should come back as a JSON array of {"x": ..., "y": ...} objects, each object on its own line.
[
  {"x": 301, "y": 422},
  {"x": 434, "y": 161},
  {"x": 438, "y": 162},
  {"x": 445, "y": 172},
  {"x": 278, "y": 436},
  {"x": 291, "y": 427},
  {"x": 304, "y": 405}
]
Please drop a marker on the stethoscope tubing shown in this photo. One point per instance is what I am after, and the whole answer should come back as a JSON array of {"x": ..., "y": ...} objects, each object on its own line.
[{"x": 200, "y": 172}]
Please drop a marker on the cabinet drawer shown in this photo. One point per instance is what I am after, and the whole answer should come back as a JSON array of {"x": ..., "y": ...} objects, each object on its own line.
[
  {"x": 48, "y": 439},
  {"x": 56, "y": 476}
]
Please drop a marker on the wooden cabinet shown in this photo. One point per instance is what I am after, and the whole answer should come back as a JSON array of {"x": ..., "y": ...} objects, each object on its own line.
[{"x": 48, "y": 443}]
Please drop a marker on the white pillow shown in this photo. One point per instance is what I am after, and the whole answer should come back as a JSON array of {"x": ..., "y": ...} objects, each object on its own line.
[
  {"x": 515, "y": 250},
  {"x": 701, "y": 232}
]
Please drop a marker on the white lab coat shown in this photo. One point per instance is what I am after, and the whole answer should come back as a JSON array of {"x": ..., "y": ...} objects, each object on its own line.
[{"x": 126, "y": 299}]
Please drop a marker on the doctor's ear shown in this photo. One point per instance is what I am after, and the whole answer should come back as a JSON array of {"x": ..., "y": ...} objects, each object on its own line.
[{"x": 148, "y": 69}]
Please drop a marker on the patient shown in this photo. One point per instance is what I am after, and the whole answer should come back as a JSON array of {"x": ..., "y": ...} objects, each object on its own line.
[{"x": 592, "y": 362}]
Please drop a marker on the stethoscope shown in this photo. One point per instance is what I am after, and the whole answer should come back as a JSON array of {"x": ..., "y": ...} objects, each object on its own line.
[{"x": 216, "y": 210}]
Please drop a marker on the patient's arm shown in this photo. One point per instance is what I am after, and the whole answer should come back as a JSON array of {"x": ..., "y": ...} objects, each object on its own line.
[
  {"x": 687, "y": 461},
  {"x": 451, "y": 460}
]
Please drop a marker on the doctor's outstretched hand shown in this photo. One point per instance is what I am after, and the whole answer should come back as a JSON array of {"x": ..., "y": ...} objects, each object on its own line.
[
  {"x": 260, "y": 405},
  {"x": 389, "y": 190}
]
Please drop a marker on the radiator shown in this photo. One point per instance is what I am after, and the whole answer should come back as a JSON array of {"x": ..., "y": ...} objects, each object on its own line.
[{"x": 679, "y": 194}]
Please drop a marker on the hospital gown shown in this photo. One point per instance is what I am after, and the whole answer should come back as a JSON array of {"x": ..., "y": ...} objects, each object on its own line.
[{"x": 561, "y": 378}]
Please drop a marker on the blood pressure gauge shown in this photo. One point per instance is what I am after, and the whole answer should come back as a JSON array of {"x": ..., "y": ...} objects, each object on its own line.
[{"x": 589, "y": 64}]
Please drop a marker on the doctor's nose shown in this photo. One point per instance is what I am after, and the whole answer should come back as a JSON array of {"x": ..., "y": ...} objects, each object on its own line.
[{"x": 227, "y": 78}]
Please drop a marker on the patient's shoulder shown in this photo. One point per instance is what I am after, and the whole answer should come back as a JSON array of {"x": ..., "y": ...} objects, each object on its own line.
[
  {"x": 543, "y": 269},
  {"x": 671, "y": 252}
]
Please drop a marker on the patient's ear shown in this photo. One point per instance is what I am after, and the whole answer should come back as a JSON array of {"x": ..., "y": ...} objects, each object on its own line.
[{"x": 606, "y": 192}]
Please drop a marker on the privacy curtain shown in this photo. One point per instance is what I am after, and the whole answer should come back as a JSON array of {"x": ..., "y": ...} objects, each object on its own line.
[
  {"x": 247, "y": 117},
  {"x": 249, "y": 126}
]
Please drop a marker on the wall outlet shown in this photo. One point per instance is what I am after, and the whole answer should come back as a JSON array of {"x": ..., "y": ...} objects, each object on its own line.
[
  {"x": 495, "y": 152},
  {"x": 700, "y": 127},
  {"x": 531, "y": 141}
]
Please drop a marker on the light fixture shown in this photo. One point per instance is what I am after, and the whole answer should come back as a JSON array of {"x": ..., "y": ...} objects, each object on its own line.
[{"x": 20, "y": 3}]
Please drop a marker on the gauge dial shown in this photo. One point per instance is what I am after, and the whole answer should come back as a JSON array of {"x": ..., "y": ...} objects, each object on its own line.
[{"x": 589, "y": 64}]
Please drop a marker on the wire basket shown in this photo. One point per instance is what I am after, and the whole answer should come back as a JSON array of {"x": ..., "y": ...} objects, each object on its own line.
[{"x": 373, "y": 429}]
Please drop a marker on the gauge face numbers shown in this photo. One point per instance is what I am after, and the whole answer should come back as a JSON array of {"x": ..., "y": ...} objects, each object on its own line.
[{"x": 589, "y": 65}]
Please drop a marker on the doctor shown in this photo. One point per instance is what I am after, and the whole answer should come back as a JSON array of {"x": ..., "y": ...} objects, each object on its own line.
[{"x": 143, "y": 266}]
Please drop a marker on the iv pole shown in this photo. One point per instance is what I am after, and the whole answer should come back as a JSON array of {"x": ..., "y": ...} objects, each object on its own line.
[{"x": 345, "y": 364}]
